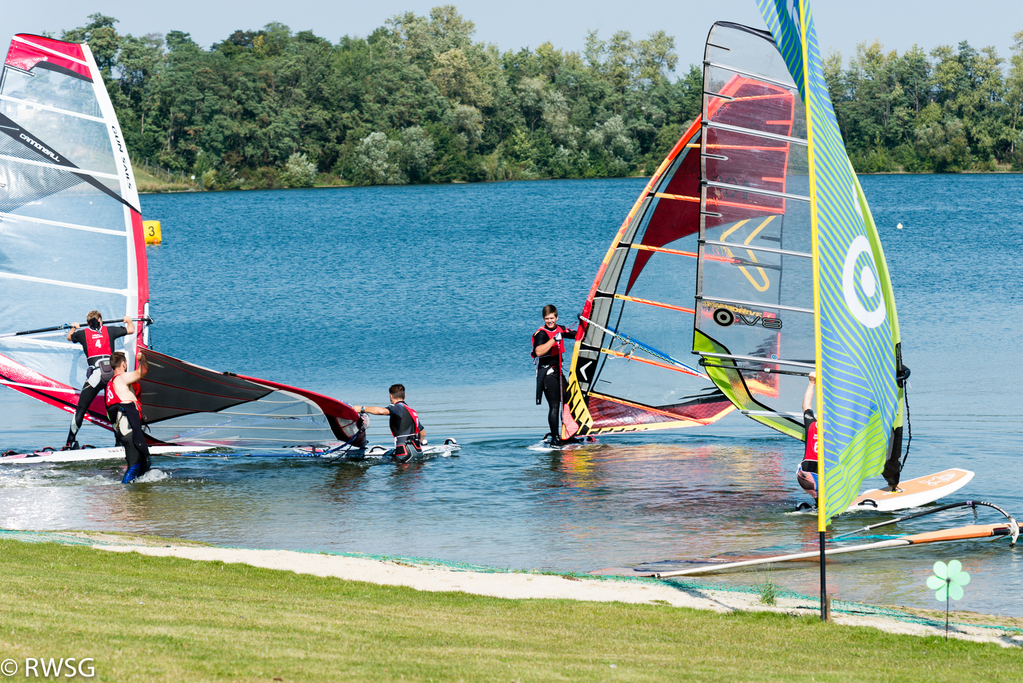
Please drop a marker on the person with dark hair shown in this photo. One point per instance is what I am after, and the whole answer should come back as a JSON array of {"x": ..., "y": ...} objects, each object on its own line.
[
  {"x": 98, "y": 343},
  {"x": 806, "y": 473},
  {"x": 548, "y": 345},
  {"x": 408, "y": 432},
  {"x": 125, "y": 413}
]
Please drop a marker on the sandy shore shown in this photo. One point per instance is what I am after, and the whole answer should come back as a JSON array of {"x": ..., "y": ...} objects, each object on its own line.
[{"x": 425, "y": 577}]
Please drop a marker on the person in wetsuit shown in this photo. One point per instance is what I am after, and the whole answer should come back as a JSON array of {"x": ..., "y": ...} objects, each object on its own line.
[
  {"x": 98, "y": 344},
  {"x": 806, "y": 473},
  {"x": 408, "y": 432},
  {"x": 548, "y": 345},
  {"x": 125, "y": 413}
]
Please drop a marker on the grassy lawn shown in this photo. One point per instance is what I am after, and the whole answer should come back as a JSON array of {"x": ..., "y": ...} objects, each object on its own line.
[{"x": 165, "y": 619}]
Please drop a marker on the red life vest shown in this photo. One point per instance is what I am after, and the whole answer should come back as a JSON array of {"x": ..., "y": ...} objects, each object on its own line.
[
  {"x": 98, "y": 342},
  {"x": 111, "y": 396},
  {"x": 416, "y": 426},
  {"x": 559, "y": 346},
  {"x": 113, "y": 400},
  {"x": 811, "y": 442}
]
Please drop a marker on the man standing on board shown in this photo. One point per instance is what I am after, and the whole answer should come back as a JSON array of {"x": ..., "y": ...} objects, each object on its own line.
[
  {"x": 97, "y": 343},
  {"x": 125, "y": 412},
  {"x": 408, "y": 432},
  {"x": 548, "y": 345}
]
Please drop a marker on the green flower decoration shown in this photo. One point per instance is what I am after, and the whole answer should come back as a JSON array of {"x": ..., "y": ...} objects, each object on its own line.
[{"x": 948, "y": 581}]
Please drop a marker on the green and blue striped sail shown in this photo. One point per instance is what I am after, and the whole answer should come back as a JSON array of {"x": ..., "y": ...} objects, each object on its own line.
[{"x": 856, "y": 326}]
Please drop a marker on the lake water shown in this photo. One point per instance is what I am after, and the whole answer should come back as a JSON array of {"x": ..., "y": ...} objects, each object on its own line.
[{"x": 346, "y": 291}]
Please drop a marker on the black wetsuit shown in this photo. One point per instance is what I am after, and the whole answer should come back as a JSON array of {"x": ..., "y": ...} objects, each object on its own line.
[
  {"x": 128, "y": 428},
  {"x": 97, "y": 376},
  {"x": 405, "y": 427},
  {"x": 550, "y": 380}
]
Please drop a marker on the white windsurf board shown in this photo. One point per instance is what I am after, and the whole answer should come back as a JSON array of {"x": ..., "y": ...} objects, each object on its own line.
[
  {"x": 914, "y": 492},
  {"x": 85, "y": 454}
]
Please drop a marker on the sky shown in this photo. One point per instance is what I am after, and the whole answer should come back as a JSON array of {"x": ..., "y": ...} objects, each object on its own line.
[{"x": 841, "y": 24}]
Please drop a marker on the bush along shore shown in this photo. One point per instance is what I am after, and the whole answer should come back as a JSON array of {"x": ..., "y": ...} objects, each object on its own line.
[{"x": 419, "y": 100}]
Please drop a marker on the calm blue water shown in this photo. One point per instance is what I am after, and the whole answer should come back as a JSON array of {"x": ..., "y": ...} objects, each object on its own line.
[{"x": 347, "y": 291}]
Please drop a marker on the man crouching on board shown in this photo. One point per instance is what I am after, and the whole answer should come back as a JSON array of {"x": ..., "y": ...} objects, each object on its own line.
[
  {"x": 806, "y": 473},
  {"x": 125, "y": 413},
  {"x": 408, "y": 432}
]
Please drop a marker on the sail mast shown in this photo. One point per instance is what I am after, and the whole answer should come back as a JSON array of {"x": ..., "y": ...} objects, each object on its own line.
[{"x": 822, "y": 519}]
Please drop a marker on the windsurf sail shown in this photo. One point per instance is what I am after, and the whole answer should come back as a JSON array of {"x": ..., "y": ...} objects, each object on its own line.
[
  {"x": 631, "y": 366},
  {"x": 190, "y": 405},
  {"x": 70, "y": 227},
  {"x": 71, "y": 240},
  {"x": 807, "y": 286}
]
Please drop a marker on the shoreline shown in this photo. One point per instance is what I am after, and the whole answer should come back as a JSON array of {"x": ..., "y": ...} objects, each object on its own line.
[
  {"x": 528, "y": 180},
  {"x": 435, "y": 576}
]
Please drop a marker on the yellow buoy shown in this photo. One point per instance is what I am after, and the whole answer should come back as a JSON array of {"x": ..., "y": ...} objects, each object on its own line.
[{"x": 152, "y": 231}]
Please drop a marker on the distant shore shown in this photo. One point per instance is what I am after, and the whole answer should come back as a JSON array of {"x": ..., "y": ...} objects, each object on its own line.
[{"x": 150, "y": 184}]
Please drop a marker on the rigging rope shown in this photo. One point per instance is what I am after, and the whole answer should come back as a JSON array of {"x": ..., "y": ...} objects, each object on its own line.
[{"x": 909, "y": 428}]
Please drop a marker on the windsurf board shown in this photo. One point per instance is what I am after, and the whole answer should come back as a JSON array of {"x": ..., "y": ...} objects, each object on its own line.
[
  {"x": 86, "y": 454},
  {"x": 914, "y": 492}
]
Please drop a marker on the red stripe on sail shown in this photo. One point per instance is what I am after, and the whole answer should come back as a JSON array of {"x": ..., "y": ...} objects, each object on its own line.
[
  {"x": 50, "y": 391},
  {"x": 27, "y": 51}
]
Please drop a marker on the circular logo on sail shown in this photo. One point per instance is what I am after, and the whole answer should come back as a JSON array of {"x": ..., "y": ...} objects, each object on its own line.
[
  {"x": 723, "y": 317},
  {"x": 868, "y": 280}
]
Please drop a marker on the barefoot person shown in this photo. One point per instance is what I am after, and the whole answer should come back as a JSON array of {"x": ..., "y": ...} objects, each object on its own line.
[
  {"x": 548, "y": 345},
  {"x": 97, "y": 343},
  {"x": 125, "y": 413},
  {"x": 806, "y": 473},
  {"x": 408, "y": 432}
]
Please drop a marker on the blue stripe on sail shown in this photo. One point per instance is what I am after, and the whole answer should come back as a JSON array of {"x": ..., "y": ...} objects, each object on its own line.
[{"x": 857, "y": 360}]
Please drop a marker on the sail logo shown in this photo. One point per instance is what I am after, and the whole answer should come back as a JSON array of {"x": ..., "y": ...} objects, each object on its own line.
[
  {"x": 725, "y": 318},
  {"x": 124, "y": 157},
  {"x": 42, "y": 150},
  {"x": 869, "y": 282}
]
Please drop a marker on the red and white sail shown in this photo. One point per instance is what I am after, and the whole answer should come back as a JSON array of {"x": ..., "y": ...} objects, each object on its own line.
[
  {"x": 70, "y": 227},
  {"x": 71, "y": 241}
]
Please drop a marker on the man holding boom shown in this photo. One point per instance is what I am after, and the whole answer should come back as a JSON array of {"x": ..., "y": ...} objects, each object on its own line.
[{"x": 98, "y": 343}]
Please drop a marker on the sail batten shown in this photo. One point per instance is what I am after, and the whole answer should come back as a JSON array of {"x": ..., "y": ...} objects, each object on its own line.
[
  {"x": 708, "y": 299},
  {"x": 63, "y": 283},
  {"x": 50, "y": 108},
  {"x": 770, "y": 250},
  {"x": 745, "y": 189},
  {"x": 788, "y": 85},
  {"x": 61, "y": 224},
  {"x": 760, "y": 359},
  {"x": 752, "y": 132},
  {"x": 73, "y": 170}
]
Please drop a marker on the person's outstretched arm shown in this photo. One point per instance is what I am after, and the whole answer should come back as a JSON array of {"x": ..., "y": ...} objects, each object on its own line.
[
  {"x": 808, "y": 396},
  {"x": 372, "y": 410}
]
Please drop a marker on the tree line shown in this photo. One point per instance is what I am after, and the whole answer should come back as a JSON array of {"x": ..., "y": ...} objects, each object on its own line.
[{"x": 419, "y": 100}]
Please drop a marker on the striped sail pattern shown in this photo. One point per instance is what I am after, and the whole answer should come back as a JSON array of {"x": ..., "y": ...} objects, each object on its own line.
[
  {"x": 856, "y": 328},
  {"x": 70, "y": 228},
  {"x": 631, "y": 368}
]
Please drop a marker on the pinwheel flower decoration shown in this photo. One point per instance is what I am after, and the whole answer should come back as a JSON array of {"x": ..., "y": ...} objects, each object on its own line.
[
  {"x": 948, "y": 580},
  {"x": 947, "y": 584}
]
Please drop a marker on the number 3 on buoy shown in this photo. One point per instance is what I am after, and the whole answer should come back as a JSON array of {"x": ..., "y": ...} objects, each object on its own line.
[{"x": 152, "y": 231}]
